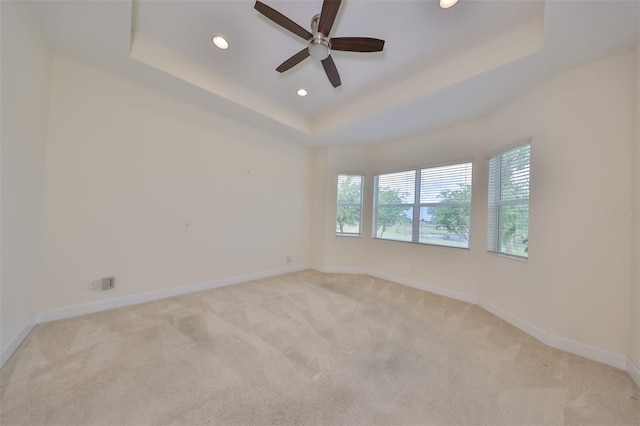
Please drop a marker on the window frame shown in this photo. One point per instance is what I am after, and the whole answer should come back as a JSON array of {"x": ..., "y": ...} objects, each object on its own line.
[
  {"x": 417, "y": 206},
  {"x": 494, "y": 218},
  {"x": 360, "y": 206},
  {"x": 403, "y": 206}
]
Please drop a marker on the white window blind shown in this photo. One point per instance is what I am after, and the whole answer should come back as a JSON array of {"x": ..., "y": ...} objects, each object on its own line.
[
  {"x": 427, "y": 206},
  {"x": 508, "y": 230},
  {"x": 349, "y": 205},
  {"x": 394, "y": 204}
]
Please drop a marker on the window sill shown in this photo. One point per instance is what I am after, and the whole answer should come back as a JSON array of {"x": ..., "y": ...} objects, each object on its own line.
[
  {"x": 510, "y": 256},
  {"x": 421, "y": 244}
]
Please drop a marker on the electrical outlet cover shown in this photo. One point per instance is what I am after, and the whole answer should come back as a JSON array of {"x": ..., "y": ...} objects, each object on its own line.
[{"x": 108, "y": 283}]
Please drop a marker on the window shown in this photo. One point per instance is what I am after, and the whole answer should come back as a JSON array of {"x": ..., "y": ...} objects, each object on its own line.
[
  {"x": 508, "y": 231},
  {"x": 349, "y": 205},
  {"x": 426, "y": 206}
]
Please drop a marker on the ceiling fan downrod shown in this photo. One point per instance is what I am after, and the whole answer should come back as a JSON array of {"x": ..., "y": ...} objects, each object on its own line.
[{"x": 319, "y": 45}]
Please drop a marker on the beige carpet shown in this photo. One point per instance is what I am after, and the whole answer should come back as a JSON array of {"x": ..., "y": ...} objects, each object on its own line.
[{"x": 305, "y": 348}]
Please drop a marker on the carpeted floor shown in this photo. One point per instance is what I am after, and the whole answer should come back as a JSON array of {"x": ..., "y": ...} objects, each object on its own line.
[{"x": 305, "y": 348}]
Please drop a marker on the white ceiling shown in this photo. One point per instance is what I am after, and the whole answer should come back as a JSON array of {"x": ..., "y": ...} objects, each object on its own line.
[{"x": 438, "y": 66}]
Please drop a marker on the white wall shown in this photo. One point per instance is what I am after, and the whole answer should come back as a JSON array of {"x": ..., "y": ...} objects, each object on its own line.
[
  {"x": 319, "y": 216},
  {"x": 160, "y": 193},
  {"x": 343, "y": 253},
  {"x": 26, "y": 63},
  {"x": 635, "y": 252},
  {"x": 450, "y": 268},
  {"x": 576, "y": 283}
]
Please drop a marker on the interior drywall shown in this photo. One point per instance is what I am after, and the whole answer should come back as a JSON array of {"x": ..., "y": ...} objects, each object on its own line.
[
  {"x": 161, "y": 194},
  {"x": 635, "y": 217},
  {"x": 25, "y": 81},
  {"x": 339, "y": 252},
  {"x": 319, "y": 216},
  {"x": 448, "y": 268},
  {"x": 576, "y": 281}
]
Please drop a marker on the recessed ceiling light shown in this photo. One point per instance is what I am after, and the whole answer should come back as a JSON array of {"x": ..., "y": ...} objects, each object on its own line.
[
  {"x": 302, "y": 92},
  {"x": 446, "y": 4},
  {"x": 220, "y": 42}
]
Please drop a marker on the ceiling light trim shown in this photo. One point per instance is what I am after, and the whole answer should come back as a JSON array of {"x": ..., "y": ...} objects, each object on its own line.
[
  {"x": 156, "y": 55},
  {"x": 220, "y": 42},
  {"x": 448, "y": 4}
]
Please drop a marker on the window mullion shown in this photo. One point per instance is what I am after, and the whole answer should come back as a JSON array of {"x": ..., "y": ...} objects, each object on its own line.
[
  {"x": 374, "y": 222},
  {"x": 415, "y": 229},
  {"x": 436, "y": 196},
  {"x": 498, "y": 228}
]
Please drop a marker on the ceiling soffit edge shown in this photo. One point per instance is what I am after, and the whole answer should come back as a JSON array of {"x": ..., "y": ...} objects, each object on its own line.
[
  {"x": 148, "y": 51},
  {"x": 501, "y": 51}
]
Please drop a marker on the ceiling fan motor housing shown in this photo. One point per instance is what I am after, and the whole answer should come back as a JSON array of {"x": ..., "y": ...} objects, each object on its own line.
[{"x": 319, "y": 45}]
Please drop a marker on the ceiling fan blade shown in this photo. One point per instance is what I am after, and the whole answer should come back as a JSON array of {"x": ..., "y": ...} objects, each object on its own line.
[
  {"x": 332, "y": 71},
  {"x": 282, "y": 20},
  {"x": 328, "y": 15},
  {"x": 294, "y": 60},
  {"x": 357, "y": 44}
]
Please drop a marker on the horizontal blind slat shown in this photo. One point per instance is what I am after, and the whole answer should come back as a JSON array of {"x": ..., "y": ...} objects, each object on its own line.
[
  {"x": 349, "y": 205},
  {"x": 439, "y": 182},
  {"x": 508, "y": 199},
  {"x": 428, "y": 206}
]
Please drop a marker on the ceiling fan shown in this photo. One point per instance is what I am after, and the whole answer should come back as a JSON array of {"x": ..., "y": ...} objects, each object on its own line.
[{"x": 319, "y": 44}]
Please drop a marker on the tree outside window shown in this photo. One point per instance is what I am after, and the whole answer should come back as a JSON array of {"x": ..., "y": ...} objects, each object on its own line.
[
  {"x": 508, "y": 228},
  {"x": 425, "y": 206},
  {"x": 349, "y": 205}
]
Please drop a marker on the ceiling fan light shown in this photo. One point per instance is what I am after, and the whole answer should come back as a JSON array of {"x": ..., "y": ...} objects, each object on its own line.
[
  {"x": 319, "y": 49},
  {"x": 446, "y": 4},
  {"x": 220, "y": 42}
]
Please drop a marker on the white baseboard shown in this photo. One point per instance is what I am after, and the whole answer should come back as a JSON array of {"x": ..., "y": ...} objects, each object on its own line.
[
  {"x": 404, "y": 281},
  {"x": 586, "y": 351},
  {"x": 135, "y": 299},
  {"x": 530, "y": 329},
  {"x": 589, "y": 352},
  {"x": 453, "y": 294},
  {"x": 119, "y": 302},
  {"x": 338, "y": 270},
  {"x": 633, "y": 371},
  {"x": 562, "y": 343},
  {"x": 18, "y": 339},
  {"x": 103, "y": 305},
  {"x": 571, "y": 346}
]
